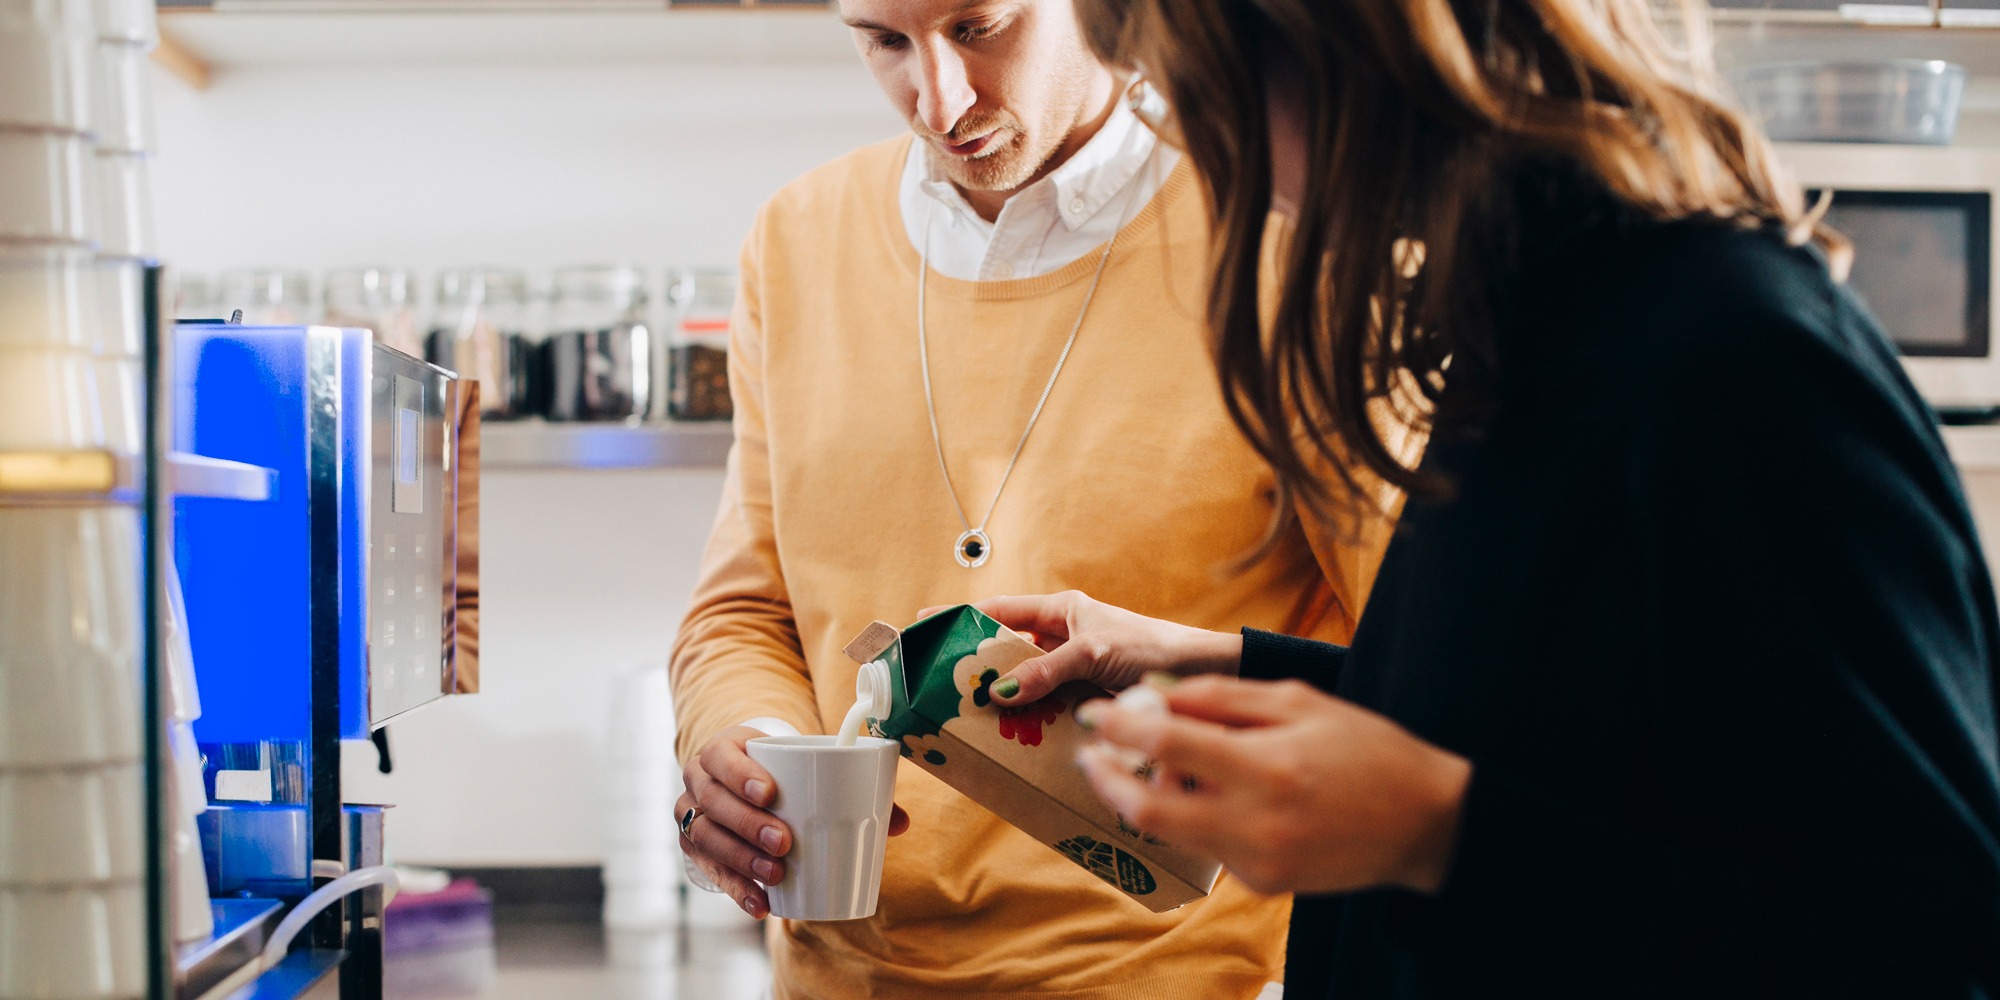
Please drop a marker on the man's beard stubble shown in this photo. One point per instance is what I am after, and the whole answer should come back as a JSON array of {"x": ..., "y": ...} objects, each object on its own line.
[
  {"x": 1014, "y": 164},
  {"x": 1000, "y": 169}
]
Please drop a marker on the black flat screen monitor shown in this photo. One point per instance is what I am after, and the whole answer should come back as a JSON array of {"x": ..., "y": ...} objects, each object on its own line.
[{"x": 1923, "y": 263}]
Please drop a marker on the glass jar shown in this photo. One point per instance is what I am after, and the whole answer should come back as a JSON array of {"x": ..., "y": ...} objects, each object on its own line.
[
  {"x": 698, "y": 365},
  {"x": 479, "y": 330},
  {"x": 196, "y": 297},
  {"x": 601, "y": 351},
  {"x": 380, "y": 299},
  {"x": 267, "y": 297}
]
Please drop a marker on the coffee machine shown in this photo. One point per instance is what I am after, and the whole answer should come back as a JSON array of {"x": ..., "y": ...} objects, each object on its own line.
[{"x": 324, "y": 611}]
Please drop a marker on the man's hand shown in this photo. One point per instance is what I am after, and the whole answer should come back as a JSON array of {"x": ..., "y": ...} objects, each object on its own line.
[{"x": 735, "y": 840}]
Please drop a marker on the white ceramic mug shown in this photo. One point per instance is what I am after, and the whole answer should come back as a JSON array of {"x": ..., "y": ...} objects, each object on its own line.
[
  {"x": 124, "y": 207},
  {"x": 653, "y": 864},
  {"x": 50, "y": 15},
  {"x": 48, "y": 400},
  {"x": 70, "y": 825},
  {"x": 49, "y": 297},
  {"x": 629, "y": 907},
  {"x": 114, "y": 541},
  {"x": 121, "y": 403},
  {"x": 123, "y": 95},
  {"x": 837, "y": 801},
  {"x": 642, "y": 780},
  {"x": 117, "y": 303},
  {"x": 43, "y": 188},
  {"x": 640, "y": 823},
  {"x": 45, "y": 78},
  {"x": 69, "y": 689},
  {"x": 129, "y": 22},
  {"x": 193, "y": 919},
  {"x": 75, "y": 942}
]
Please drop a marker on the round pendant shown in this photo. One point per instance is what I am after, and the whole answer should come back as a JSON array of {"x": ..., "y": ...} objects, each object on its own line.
[{"x": 972, "y": 549}]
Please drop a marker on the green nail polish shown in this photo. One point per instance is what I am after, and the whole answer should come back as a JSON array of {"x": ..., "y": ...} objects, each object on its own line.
[
  {"x": 1007, "y": 687},
  {"x": 1162, "y": 680},
  {"x": 1086, "y": 718}
]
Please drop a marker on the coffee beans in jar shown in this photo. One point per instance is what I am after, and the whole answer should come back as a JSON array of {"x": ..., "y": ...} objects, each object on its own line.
[
  {"x": 477, "y": 331},
  {"x": 602, "y": 355},
  {"x": 700, "y": 382}
]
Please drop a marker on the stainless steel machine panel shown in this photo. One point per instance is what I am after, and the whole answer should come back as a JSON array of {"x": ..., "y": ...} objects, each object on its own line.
[{"x": 411, "y": 527}]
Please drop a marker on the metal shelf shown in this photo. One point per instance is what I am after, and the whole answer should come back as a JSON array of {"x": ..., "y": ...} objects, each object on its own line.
[
  {"x": 298, "y": 35},
  {"x": 537, "y": 445},
  {"x": 1751, "y": 37}
]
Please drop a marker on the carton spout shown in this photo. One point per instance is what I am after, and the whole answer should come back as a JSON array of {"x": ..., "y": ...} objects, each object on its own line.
[
  {"x": 873, "y": 689},
  {"x": 880, "y": 685}
]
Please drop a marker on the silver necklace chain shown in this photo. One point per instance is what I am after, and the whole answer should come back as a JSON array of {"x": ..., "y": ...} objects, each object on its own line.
[{"x": 974, "y": 547}]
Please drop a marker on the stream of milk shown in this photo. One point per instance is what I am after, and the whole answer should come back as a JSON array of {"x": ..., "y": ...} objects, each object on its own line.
[
  {"x": 850, "y": 727},
  {"x": 871, "y": 701}
]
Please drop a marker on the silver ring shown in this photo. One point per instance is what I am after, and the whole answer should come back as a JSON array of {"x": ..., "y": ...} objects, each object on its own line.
[{"x": 687, "y": 821}]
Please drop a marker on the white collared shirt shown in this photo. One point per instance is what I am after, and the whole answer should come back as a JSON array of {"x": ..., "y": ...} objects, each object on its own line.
[{"x": 1051, "y": 222}]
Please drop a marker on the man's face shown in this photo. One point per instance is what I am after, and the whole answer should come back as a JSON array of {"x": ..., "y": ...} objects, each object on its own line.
[{"x": 992, "y": 87}]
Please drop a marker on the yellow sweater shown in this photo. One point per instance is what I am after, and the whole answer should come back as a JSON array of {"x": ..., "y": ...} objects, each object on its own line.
[{"x": 1135, "y": 488}]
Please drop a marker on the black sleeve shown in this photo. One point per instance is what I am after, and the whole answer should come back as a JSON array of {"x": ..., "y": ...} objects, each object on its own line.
[
  {"x": 1274, "y": 656},
  {"x": 1821, "y": 709}
]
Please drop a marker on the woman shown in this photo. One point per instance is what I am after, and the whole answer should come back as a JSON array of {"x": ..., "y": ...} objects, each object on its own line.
[{"x": 1678, "y": 678}]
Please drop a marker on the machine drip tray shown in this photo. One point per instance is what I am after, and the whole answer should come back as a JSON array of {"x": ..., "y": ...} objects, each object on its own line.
[{"x": 241, "y": 928}]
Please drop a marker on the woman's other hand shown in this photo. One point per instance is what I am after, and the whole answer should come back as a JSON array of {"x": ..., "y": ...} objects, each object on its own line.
[
  {"x": 1093, "y": 641},
  {"x": 1292, "y": 789}
]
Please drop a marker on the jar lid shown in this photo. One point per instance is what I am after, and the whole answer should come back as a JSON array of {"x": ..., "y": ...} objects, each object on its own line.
[
  {"x": 617, "y": 283},
  {"x": 370, "y": 284},
  {"x": 481, "y": 284},
  {"x": 703, "y": 291},
  {"x": 264, "y": 286}
]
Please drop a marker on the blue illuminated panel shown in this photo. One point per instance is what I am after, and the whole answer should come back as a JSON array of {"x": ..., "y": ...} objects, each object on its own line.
[{"x": 242, "y": 393}]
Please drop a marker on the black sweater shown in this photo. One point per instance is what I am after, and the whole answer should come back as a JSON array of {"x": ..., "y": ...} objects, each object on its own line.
[{"x": 1709, "y": 617}]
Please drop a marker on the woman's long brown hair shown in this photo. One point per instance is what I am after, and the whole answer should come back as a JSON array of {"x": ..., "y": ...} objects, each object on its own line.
[{"x": 1416, "y": 113}]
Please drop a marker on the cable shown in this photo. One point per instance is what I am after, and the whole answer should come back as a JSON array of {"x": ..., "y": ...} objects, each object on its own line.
[{"x": 323, "y": 897}]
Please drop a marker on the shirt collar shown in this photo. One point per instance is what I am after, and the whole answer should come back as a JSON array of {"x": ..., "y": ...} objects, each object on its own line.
[{"x": 1081, "y": 187}]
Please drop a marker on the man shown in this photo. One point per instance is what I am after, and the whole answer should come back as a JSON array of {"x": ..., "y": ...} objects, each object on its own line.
[{"x": 1048, "y": 419}]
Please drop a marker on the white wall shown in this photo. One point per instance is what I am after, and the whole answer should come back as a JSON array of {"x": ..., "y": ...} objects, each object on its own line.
[
  {"x": 531, "y": 167},
  {"x": 584, "y": 573}
]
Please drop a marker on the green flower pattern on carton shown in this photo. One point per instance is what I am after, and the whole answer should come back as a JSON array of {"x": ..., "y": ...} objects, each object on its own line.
[
  {"x": 974, "y": 676},
  {"x": 929, "y": 749}
]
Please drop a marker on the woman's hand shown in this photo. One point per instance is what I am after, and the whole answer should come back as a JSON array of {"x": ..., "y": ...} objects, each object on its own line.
[
  {"x": 1293, "y": 790},
  {"x": 1093, "y": 641}
]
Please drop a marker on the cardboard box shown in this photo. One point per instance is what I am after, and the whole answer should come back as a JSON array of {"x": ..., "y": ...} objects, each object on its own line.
[{"x": 1018, "y": 762}]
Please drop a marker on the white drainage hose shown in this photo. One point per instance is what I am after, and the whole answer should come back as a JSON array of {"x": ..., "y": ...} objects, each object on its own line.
[{"x": 321, "y": 898}]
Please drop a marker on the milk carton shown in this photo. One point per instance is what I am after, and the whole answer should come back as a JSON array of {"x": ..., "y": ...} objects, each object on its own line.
[{"x": 1018, "y": 762}]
